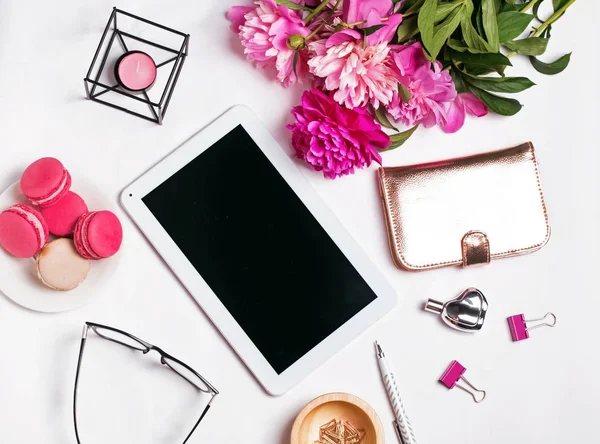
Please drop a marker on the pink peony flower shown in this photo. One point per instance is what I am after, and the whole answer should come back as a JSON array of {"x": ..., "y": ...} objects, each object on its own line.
[
  {"x": 334, "y": 139},
  {"x": 431, "y": 89},
  {"x": 433, "y": 94},
  {"x": 356, "y": 73},
  {"x": 457, "y": 110},
  {"x": 264, "y": 31}
]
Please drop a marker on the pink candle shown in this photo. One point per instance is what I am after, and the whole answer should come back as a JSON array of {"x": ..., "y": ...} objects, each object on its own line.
[{"x": 135, "y": 71}]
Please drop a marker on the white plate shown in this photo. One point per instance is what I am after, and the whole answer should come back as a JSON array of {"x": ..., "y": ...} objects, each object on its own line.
[{"x": 21, "y": 283}]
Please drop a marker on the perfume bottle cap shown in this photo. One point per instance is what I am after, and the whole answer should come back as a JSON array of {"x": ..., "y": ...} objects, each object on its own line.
[{"x": 434, "y": 306}]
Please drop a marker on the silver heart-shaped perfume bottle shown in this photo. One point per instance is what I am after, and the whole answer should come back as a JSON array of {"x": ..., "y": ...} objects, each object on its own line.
[{"x": 465, "y": 312}]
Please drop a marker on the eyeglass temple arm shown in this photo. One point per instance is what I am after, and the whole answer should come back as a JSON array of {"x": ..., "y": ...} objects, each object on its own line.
[
  {"x": 197, "y": 423},
  {"x": 81, "y": 348}
]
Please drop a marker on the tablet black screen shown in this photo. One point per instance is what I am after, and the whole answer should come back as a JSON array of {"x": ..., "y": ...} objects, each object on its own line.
[{"x": 259, "y": 249}]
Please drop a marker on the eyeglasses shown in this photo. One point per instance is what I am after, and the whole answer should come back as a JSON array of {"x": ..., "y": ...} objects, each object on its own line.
[{"x": 128, "y": 340}]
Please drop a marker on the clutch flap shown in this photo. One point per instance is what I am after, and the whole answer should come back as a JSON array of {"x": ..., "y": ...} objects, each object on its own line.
[{"x": 465, "y": 211}]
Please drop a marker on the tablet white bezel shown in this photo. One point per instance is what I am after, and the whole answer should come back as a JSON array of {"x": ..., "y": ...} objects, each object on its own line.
[{"x": 131, "y": 199}]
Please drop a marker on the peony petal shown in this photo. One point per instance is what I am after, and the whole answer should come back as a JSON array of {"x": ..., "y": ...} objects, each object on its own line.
[
  {"x": 383, "y": 7},
  {"x": 473, "y": 104},
  {"x": 347, "y": 35},
  {"x": 359, "y": 10},
  {"x": 408, "y": 58},
  {"x": 350, "y": 11},
  {"x": 455, "y": 116},
  {"x": 236, "y": 15},
  {"x": 385, "y": 34}
]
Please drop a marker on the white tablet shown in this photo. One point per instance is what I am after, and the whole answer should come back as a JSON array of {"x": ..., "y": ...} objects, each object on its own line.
[{"x": 257, "y": 248}]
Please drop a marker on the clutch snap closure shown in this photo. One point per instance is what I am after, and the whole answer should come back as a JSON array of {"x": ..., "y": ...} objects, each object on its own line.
[{"x": 475, "y": 249}]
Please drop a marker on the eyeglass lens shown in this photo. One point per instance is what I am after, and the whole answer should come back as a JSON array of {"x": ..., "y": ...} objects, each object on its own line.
[{"x": 119, "y": 338}]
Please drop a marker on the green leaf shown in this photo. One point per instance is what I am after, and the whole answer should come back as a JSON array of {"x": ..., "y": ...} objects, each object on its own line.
[
  {"x": 290, "y": 4},
  {"x": 500, "y": 105},
  {"x": 479, "y": 21},
  {"x": 434, "y": 36},
  {"x": 443, "y": 31},
  {"x": 512, "y": 24},
  {"x": 382, "y": 118},
  {"x": 400, "y": 138},
  {"x": 404, "y": 93},
  {"x": 486, "y": 20},
  {"x": 372, "y": 29},
  {"x": 551, "y": 68},
  {"x": 500, "y": 84},
  {"x": 557, "y": 4},
  {"x": 426, "y": 21},
  {"x": 411, "y": 6},
  {"x": 490, "y": 24},
  {"x": 507, "y": 7},
  {"x": 407, "y": 29},
  {"x": 472, "y": 38},
  {"x": 457, "y": 78},
  {"x": 457, "y": 45},
  {"x": 481, "y": 70},
  {"x": 532, "y": 46},
  {"x": 443, "y": 10},
  {"x": 295, "y": 62},
  {"x": 498, "y": 6},
  {"x": 486, "y": 60}
]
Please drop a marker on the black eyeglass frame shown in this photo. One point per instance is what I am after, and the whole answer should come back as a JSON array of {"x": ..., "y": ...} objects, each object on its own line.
[{"x": 145, "y": 347}]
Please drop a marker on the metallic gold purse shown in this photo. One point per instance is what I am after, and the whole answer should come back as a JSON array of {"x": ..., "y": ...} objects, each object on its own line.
[{"x": 465, "y": 211}]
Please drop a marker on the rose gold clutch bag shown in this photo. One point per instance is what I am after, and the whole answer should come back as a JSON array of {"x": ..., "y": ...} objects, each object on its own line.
[{"x": 465, "y": 211}]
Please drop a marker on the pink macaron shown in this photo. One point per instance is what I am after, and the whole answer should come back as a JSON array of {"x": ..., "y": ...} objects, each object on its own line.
[
  {"x": 98, "y": 235},
  {"x": 23, "y": 231},
  {"x": 45, "y": 181},
  {"x": 63, "y": 215}
]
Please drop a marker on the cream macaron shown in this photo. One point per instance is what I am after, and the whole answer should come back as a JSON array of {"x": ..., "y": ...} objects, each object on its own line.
[{"x": 60, "y": 266}]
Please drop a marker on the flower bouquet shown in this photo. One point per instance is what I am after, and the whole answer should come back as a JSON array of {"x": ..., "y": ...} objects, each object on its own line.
[{"x": 392, "y": 63}]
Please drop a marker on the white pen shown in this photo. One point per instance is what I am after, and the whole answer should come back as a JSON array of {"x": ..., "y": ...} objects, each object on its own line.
[{"x": 401, "y": 424}]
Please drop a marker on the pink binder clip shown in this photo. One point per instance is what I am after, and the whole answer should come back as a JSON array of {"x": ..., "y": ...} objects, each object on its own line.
[
  {"x": 455, "y": 372},
  {"x": 519, "y": 329}
]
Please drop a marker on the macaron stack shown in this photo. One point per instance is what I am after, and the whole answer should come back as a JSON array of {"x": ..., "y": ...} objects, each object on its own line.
[{"x": 63, "y": 263}]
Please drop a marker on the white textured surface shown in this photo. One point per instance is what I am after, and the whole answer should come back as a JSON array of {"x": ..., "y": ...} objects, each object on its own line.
[{"x": 544, "y": 389}]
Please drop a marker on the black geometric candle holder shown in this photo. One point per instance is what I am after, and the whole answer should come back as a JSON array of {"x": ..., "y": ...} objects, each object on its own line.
[{"x": 126, "y": 32}]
